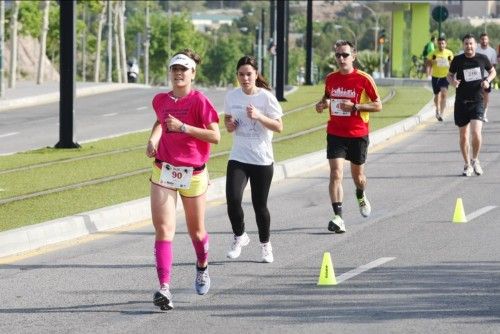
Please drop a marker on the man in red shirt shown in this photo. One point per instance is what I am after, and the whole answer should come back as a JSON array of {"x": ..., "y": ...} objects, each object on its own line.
[{"x": 350, "y": 95}]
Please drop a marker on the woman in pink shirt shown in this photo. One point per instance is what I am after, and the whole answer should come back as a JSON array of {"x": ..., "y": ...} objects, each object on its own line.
[{"x": 186, "y": 124}]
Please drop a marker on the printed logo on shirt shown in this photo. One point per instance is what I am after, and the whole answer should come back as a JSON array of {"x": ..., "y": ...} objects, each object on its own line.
[{"x": 341, "y": 92}]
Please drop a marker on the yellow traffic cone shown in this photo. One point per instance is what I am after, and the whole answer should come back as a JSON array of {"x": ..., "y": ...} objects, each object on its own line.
[
  {"x": 327, "y": 276},
  {"x": 459, "y": 215}
]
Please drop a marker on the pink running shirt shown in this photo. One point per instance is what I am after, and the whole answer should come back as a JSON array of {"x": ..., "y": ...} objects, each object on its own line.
[{"x": 177, "y": 148}]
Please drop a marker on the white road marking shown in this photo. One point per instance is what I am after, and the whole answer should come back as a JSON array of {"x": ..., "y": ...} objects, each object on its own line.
[
  {"x": 141, "y": 108},
  {"x": 363, "y": 268},
  {"x": 110, "y": 114},
  {"x": 479, "y": 212},
  {"x": 9, "y": 134}
]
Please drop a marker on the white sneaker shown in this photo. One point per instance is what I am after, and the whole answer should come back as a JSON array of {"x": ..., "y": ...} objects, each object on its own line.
[
  {"x": 267, "y": 252},
  {"x": 477, "y": 167},
  {"x": 467, "y": 170},
  {"x": 336, "y": 225},
  {"x": 364, "y": 206},
  {"x": 238, "y": 242},
  {"x": 163, "y": 298}
]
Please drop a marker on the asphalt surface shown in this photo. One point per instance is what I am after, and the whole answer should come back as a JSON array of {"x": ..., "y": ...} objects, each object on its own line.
[
  {"x": 100, "y": 111},
  {"x": 406, "y": 268}
]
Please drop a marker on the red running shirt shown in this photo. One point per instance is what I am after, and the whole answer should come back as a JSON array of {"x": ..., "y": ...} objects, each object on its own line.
[{"x": 357, "y": 87}]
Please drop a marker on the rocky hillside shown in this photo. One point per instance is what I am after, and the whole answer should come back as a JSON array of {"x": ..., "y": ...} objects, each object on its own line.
[{"x": 27, "y": 63}]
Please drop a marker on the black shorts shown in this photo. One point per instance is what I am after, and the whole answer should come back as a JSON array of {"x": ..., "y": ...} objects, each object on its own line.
[
  {"x": 465, "y": 111},
  {"x": 437, "y": 83},
  {"x": 353, "y": 149}
]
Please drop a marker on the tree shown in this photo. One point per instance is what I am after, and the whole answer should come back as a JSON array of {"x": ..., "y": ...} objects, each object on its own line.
[
  {"x": 13, "y": 49},
  {"x": 97, "y": 62},
  {"x": 117, "y": 41},
  {"x": 222, "y": 58},
  {"x": 121, "y": 31},
  {"x": 43, "y": 42}
]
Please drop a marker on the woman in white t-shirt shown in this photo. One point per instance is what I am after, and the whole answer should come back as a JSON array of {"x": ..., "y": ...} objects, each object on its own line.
[{"x": 252, "y": 114}]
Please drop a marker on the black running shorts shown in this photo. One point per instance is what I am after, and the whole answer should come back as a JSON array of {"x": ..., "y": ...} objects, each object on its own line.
[
  {"x": 465, "y": 111},
  {"x": 353, "y": 149},
  {"x": 437, "y": 83}
]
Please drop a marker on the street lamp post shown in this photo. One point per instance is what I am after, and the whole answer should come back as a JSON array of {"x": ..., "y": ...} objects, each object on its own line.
[
  {"x": 355, "y": 40},
  {"x": 377, "y": 27},
  {"x": 375, "y": 35}
]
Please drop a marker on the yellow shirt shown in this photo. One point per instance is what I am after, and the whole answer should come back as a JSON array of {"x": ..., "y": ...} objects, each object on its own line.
[{"x": 440, "y": 61}]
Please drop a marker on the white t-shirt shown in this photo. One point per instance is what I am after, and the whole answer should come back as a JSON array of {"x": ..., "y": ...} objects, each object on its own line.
[
  {"x": 490, "y": 53},
  {"x": 252, "y": 142}
]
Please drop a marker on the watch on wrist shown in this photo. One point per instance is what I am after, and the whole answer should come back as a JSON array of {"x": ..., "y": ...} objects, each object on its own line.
[
  {"x": 354, "y": 108},
  {"x": 183, "y": 128}
]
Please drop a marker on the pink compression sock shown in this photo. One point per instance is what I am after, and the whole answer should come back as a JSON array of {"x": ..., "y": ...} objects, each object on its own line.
[
  {"x": 164, "y": 256},
  {"x": 201, "y": 249}
]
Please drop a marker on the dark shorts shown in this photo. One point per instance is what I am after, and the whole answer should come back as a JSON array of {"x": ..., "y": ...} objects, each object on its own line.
[
  {"x": 352, "y": 149},
  {"x": 465, "y": 111},
  {"x": 437, "y": 83}
]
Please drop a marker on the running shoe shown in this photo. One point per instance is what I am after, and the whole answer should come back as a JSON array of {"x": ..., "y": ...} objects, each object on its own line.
[
  {"x": 467, "y": 170},
  {"x": 438, "y": 116},
  {"x": 238, "y": 242},
  {"x": 336, "y": 225},
  {"x": 267, "y": 252},
  {"x": 364, "y": 206},
  {"x": 477, "y": 167},
  {"x": 163, "y": 298},
  {"x": 202, "y": 281}
]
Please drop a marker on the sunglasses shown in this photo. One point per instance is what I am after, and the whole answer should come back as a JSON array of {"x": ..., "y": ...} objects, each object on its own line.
[{"x": 343, "y": 55}]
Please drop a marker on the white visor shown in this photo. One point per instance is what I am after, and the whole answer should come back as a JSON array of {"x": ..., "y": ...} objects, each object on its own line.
[{"x": 183, "y": 60}]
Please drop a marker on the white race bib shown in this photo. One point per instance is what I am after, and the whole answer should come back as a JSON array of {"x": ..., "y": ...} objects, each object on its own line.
[
  {"x": 175, "y": 177},
  {"x": 472, "y": 74},
  {"x": 442, "y": 62},
  {"x": 335, "y": 108}
]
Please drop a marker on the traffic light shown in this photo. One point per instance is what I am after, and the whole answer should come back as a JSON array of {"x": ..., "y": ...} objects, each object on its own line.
[{"x": 381, "y": 37}]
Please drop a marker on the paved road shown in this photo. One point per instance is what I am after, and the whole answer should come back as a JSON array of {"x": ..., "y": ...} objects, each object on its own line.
[
  {"x": 97, "y": 116},
  {"x": 433, "y": 276}
]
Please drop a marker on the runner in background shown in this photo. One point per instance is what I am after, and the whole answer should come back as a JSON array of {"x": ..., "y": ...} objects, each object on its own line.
[{"x": 485, "y": 49}]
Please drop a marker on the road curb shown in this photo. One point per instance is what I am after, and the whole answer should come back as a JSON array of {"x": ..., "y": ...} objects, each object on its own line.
[
  {"x": 48, "y": 233},
  {"x": 54, "y": 97}
]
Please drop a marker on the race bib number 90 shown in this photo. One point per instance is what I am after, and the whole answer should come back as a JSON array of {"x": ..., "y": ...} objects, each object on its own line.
[{"x": 175, "y": 177}]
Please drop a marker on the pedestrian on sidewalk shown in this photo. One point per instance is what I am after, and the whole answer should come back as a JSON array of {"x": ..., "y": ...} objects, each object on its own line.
[
  {"x": 485, "y": 49},
  {"x": 350, "y": 95},
  {"x": 132, "y": 71},
  {"x": 466, "y": 74},
  {"x": 186, "y": 125},
  {"x": 438, "y": 63},
  {"x": 252, "y": 113}
]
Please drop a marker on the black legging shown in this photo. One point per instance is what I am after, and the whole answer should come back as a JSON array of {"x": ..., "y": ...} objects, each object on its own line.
[{"x": 237, "y": 177}]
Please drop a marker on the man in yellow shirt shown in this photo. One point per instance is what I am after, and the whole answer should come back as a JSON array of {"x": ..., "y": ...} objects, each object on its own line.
[{"x": 438, "y": 63}]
